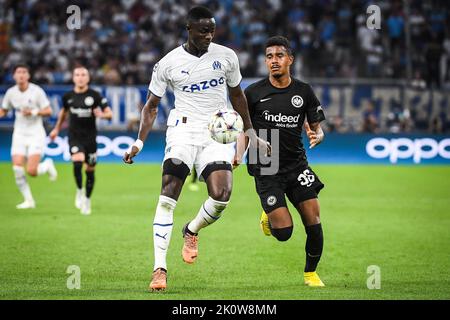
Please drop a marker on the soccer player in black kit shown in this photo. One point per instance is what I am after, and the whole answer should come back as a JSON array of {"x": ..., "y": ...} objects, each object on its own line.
[
  {"x": 83, "y": 105},
  {"x": 280, "y": 102}
]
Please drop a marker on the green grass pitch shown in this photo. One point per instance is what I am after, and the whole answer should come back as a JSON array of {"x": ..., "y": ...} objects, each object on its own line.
[{"x": 395, "y": 217}]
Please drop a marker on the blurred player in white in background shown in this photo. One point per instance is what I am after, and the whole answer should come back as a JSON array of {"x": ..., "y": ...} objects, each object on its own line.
[{"x": 28, "y": 142}]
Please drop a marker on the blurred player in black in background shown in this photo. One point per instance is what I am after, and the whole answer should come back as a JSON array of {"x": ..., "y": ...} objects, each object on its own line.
[
  {"x": 83, "y": 105},
  {"x": 281, "y": 102}
]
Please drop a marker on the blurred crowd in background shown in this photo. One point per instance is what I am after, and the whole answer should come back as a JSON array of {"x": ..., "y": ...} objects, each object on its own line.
[{"x": 120, "y": 41}]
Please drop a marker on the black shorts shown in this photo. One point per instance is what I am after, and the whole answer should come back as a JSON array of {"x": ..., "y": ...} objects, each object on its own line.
[
  {"x": 87, "y": 146},
  {"x": 298, "y": 186}
]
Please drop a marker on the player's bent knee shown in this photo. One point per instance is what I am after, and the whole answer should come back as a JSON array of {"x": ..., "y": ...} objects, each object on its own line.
[
  {"x": 282, "y": 234},
  {"x": 90, "y": 168},
  {"x": 32, "y": 172},
  {"x": 221, "y": 194}
]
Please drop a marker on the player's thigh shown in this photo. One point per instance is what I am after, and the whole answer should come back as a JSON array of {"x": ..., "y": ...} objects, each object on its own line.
[
  {"x": 219, "y": 181},
  {"x": 177, "y": 163},
  {"x": 19, "y": 148},
  {"x": 270, "y": 190},
  {"x": 180, "y": 154},
  {"x": 36, "y": 147},
  {"x": 302, "y": 191},
  {"x": 213, "y": 157},
  {"x": 18, "y": 160}
]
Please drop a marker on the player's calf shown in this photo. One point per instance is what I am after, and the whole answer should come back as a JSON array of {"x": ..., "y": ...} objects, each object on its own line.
[
  {"x": 210, "y": 211},
  {"x": 32, "y": 171},
  {"x": 22, "y": 184},
  {"x": 313, "y": 247}
]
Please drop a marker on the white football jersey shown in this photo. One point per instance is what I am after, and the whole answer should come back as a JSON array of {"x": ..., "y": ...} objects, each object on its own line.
[
  {"x": 33, "y": 98},
  {"x": 199, "y": 83}
]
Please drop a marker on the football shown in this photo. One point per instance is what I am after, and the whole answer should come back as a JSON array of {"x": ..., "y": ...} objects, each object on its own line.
[{"x": 225, "y": 126}]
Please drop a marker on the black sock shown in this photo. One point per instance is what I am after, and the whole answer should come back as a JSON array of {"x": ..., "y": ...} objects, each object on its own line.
[
  {"x": 90, "y": 179},
  {"x": 314, "y": 246},
  {"x": 77, "y": 166}
]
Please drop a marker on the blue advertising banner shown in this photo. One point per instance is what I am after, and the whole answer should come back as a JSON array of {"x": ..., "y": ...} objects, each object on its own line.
[
  {"x": 336, "y": 148},
  {"x": 345, "y": 100}
]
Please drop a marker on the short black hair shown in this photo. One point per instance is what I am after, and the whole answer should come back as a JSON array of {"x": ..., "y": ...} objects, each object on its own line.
[
  {"x": 21, "y": 65},
  {"x": 199, "y": 12},
  {"x": 279, "y": 41}
]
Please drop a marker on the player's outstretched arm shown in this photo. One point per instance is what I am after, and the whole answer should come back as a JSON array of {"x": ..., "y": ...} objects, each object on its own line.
[
  {"x": 105, "y": 114},
  {"x": 239, "y": 103},
  {"x": 241, "y": 147},
  {"x": 61, "y": 117},
  {"x": 315, "y": 133},
  {"x": 148, "y": 116},
  {"x": 3, "y": 112}
]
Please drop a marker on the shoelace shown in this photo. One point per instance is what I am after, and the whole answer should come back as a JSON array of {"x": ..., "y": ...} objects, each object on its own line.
[
  {"x": 191, "y": 240},
  {"x": 159, "y": 276}
]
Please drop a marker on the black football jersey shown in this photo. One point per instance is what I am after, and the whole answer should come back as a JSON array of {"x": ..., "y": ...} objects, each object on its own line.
[
  {"x": 81, "y": 116},
  {"x": 285, "y": 110}
]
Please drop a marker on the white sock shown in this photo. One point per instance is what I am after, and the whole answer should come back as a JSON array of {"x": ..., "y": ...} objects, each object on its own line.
[
  {"x": 22, "y": 184},
  {"x": 162, "y": 230},
  {"x": 42, "y": 168},
  {"x": 209, "y": 212}
]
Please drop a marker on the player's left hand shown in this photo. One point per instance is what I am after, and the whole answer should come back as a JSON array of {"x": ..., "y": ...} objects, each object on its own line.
[
  {"x": 98, "y": 113},
  {"x": 314, "y": 137},
  {"x": 128, "y": 157},
  {"x": 236, "y": 161}
]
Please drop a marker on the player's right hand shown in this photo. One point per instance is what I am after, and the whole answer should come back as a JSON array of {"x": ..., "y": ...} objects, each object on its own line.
[
  {"x": 26, "y": 112},
  {"x": 262, "y": 145},
  {"x": 128, "y": 157},
  {"x": 257, "y": 142},
  {"x": 53, "y": 134}
]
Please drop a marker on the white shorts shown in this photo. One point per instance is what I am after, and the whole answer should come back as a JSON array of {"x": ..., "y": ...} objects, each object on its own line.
[
  {"x": 26, "y": 145},
  {"x": 197, "y": 153}
]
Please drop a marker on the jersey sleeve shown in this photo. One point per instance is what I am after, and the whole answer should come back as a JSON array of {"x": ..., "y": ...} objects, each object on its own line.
[
  {"x": 159, "y": 81},
  {"x": 233, "y": 73},
  {"x": 101, "y": 101},
  {"x": 250, "y": 102},
  {"x": 6, "y": 102},
  {"x": 65, "y": 104},
  {"x": 42, "y": 100},
  {"x": 314, "y": 111}
]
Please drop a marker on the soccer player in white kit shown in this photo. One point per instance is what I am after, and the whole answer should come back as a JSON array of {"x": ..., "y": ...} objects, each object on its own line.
[
  {"x": 201, "y": 74},
  {"x": 28, "y": 141}
]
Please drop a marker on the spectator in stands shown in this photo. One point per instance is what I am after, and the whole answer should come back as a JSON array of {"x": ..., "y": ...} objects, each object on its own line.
[{"x": 370, "y": 119}]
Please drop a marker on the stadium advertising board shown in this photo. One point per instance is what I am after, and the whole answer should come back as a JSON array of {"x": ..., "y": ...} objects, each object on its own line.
[{"x": 336, "y": 148}]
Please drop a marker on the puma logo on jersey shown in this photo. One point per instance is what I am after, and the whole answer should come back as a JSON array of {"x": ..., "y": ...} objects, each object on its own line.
[
  {"x": 204, "y": 85},
  {"x": 186, "y": 72}
]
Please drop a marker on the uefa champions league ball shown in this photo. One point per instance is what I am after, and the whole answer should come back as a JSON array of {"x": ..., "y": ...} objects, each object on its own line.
[{"x": 225, "y": 126}]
